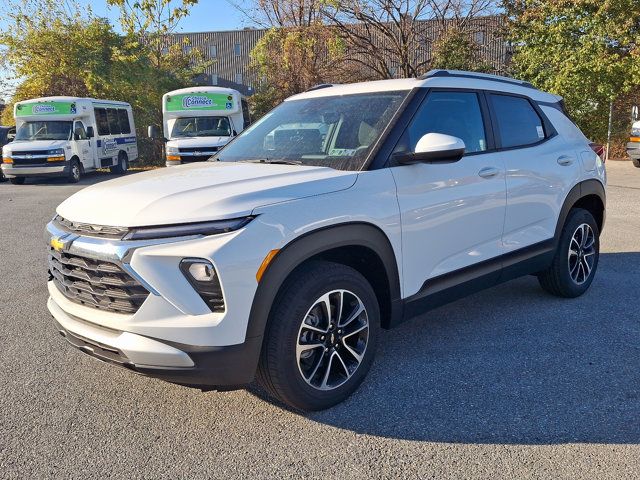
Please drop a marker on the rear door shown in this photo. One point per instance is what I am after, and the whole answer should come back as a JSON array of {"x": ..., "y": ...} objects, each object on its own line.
[
  {"x": 452, "y": 213},
  {"x": 541, "y": 168}
]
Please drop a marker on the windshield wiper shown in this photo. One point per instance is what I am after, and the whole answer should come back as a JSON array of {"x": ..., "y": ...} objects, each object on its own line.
[{"x": 275, "y": 162}]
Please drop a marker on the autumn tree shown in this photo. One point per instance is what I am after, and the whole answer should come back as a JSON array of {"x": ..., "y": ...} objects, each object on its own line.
[{"x": 587, "y": 51}]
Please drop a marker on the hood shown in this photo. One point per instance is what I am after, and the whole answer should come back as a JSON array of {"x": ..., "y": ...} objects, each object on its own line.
[
  {"x": 198, "y": 192},
  {"x": 23, "y": 145},
  {"x": 198, "y": 142}
]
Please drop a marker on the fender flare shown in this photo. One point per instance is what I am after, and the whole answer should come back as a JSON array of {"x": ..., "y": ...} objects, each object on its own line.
[
  {"x": 311, "y": 244},
  {"x": 580, "y": 190}
]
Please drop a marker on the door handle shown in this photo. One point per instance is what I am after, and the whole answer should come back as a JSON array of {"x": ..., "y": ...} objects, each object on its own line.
[
  {"x": 565, "y": 160},
  {"x": 488, "y": 172}
]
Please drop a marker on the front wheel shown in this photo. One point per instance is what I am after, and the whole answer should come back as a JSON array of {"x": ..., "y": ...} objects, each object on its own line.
[
  {"x": 576, "y": 259},
  {"x": 75, "y": 172},
  {"x": 636, "y": 162},
  {"x": 321, "y": 337}
]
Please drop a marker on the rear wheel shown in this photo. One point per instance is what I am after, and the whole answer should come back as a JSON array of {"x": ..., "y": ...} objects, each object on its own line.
[
  {"x": 321, "y": 337},
  {"x": 576, "y": 258},
  {"x": 636, "y": 162},
  {"x": 75, "y": 172},
  {"x": 122, "y": 166},
  {"x": 17, "y": 180}
]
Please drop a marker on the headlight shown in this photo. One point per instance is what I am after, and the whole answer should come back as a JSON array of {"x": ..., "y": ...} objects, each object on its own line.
[
  {"x": 185, "y": 230},
  {"x": 56, "y": 152},
  {"x": 172, "y": 150},
  {"x": 635, "y": 132}
]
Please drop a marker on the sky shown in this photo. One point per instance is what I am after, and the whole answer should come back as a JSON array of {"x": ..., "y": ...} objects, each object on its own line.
[{"x": 206, "y": 15}]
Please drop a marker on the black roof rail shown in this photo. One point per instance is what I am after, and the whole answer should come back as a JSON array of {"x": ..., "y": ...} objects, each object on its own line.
[
  {"x": 319, "y": 86},
  {"x": 479, "y": 76}
]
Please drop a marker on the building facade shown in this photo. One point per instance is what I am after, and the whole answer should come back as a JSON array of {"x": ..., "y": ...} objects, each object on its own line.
[{"x": 228, "y": 52}]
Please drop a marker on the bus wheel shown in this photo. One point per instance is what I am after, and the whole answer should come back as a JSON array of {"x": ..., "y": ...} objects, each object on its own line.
[
  {"x": 75, "y": 172},
  {"x": 123, "y": 164}
]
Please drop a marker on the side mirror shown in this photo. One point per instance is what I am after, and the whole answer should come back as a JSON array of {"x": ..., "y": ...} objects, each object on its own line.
[
  {"x": 153, "y": 132},
  {"x": 433, "y": 148},
  {"x": 234, "y": 133},
  {"x": 90, "y": 133}
]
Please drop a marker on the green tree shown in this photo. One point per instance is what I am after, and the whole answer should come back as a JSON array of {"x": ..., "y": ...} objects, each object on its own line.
[
  {"x": 455, "y": 49},
  {"x": 587, "y": 51},
  {"x": 55, "y": 48}
]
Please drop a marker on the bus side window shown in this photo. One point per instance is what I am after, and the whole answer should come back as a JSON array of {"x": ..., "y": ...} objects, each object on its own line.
[
  {"x": 112, "y": 116},
  {"x": 245, "y": 114},
  {"x": 123, "y": 120},
  {"x": 101, "y": 121}
]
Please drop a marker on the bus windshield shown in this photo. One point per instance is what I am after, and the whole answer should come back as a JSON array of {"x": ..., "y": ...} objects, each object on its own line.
[
  {"x": 201, "y": 127},
  {"x": 45, "y": 130}
]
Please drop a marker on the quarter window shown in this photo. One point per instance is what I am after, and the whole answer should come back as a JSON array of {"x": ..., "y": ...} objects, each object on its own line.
[
  {"x": 79, "y": 133},
  {"x": 451, "y": 113},
  {"x": 101, "y": 121},
  {"x": 518, "y": 122}
]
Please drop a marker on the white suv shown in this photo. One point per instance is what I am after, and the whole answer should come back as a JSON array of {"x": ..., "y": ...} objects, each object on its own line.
[{"x": 345, "y": 210}]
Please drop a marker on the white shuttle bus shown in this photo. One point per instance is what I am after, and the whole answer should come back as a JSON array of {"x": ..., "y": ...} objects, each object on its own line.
[
  {"x": 198, "y": 121},
  {"x": 68, "y": 136}
]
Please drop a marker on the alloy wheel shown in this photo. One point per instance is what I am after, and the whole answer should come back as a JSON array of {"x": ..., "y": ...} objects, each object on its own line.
[
  {"x": 582, "y": 253},
  {"x": 332, "y": 339}
]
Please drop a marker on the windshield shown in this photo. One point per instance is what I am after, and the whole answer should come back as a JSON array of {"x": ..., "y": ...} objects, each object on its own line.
[
  {"x": 201, "y": 127},
  {"x": 45, "y": 130},
  {"x": 336, "y": 132}
]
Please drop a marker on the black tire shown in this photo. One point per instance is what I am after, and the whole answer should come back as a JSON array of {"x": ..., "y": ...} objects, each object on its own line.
[
  {"x": 636, "y": 162},
  {"x": 558, "y": 278},
  {"x": 2, "y": 177},
  {"x": 17, "y": 180},
  {"x": 75, "y": 171},
  {"x": 122, "y": 166},
  {"x": 280, "y": 372}
]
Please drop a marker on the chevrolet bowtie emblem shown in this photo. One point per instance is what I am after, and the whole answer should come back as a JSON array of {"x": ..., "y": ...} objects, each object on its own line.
[{"x": 57, "y": 244}]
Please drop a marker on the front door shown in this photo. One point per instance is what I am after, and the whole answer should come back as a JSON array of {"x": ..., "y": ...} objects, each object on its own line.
[
  {"x": 452, "y": 213},
  {"x": 83, "y": 146}
]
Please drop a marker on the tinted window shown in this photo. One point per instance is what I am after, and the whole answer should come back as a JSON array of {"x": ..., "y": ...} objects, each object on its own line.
[
  {"x": 518, "y": 122},
  {"x": 450, "y": 113},
  {"x": 123, "y": 120},
  {"x": 101, "y": 121},
  {"x": 114, "y": 125}
]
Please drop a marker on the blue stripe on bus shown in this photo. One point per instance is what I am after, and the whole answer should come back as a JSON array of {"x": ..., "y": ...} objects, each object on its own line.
[{"x": 121, "y": 141}]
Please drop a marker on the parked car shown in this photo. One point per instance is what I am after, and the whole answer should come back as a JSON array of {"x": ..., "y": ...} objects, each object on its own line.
[
  {"x": 7, "y": 134},
  {"x": 68, "y": 136},
  {"x": 633, "y": 146},
  {"x": 285, "y": 256}
]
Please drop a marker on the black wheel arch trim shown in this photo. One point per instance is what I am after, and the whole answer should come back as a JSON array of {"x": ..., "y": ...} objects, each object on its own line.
[
  {"x": 580, "y": 190},
  {"x": 308, "y": 245}
]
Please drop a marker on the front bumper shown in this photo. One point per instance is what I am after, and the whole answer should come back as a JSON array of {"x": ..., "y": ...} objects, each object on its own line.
[
  {"x": 633, "y": 150},
  {"x": 173, "y": 335},
  {"x": 11, "y": 171}
]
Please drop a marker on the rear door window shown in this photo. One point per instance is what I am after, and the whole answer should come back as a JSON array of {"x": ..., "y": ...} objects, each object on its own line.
[{"x": 518, "y": 122}]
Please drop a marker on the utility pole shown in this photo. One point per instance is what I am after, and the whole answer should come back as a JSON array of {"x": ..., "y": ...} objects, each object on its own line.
[{"x": 606, "y": 156}]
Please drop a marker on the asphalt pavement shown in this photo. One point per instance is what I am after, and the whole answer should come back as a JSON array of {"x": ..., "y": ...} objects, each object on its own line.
[{"x": 508, "y": 383}]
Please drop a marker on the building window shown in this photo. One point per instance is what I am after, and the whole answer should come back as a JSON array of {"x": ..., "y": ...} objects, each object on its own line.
[
  {"x": 239, "y": 78},
  {"x": 478, "y": 37},
  {"x": 214, "y": 79},
  {"x": 237, "y": 49},
  {"x": 165, "y": 50},
  {"x": 187, "y": 49},
  {"x": 213, "y": 51}
]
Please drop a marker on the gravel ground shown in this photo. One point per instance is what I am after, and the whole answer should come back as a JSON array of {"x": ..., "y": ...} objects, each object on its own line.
[{"x": 508, "y": 383}]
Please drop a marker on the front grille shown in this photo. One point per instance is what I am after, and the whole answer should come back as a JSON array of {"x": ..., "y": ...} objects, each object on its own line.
[
  {"x": 210, "y": 150},
  {"x": 205, "y": 154},
  {"x": 90, "y": 229},
  {"x": 96, "y": 283}
]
